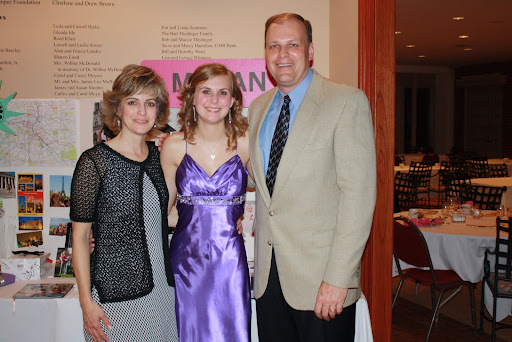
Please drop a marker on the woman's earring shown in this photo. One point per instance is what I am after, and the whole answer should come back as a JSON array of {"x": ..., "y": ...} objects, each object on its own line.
[
  {"x": 118, "y": 123},
  {"x": 229, "y": 116},
  {"x": 195, "y": 115}
]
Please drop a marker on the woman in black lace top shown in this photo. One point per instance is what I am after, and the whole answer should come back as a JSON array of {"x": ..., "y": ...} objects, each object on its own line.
[{"x": 119, "y": 192}]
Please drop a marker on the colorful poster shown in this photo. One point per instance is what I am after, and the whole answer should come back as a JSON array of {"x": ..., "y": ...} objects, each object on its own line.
[{"x": 30, "y": 194}]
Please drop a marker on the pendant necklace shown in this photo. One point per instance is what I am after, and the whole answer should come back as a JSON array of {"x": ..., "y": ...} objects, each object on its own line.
[
  {"x": 211, "y": 152},
  {"x": 213, "y": 155}
]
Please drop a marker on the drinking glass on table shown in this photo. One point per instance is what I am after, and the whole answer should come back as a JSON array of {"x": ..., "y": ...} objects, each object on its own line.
[
  {"x": 445, "y": 210},
  {"x": 501, "y": 210},
  {"x": 454, "y": 203}
]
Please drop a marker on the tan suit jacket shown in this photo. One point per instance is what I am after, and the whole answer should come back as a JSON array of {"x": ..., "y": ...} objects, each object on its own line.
[{"x": 319, "y": 217}]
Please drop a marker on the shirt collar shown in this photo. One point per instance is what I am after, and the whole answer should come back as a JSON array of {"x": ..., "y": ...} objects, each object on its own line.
[{"x": 297, "y": 94}]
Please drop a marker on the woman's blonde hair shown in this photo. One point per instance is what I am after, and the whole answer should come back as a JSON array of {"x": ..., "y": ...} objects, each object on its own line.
[
  {"x": 132, "y": 80},
  {"x": 205, "y": 72}
]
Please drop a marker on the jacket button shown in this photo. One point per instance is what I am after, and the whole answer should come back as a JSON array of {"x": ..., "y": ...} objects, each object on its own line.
[
  {"x": 269, "y": 243},
  {"x": 271, "y": 213}
]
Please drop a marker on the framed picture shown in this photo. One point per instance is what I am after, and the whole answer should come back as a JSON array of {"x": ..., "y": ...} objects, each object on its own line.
[{"x": 63, "y": 263}]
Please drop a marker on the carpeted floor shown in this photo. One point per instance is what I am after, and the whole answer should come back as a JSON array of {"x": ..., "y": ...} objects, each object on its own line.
[{"x": 412, "y": 315}]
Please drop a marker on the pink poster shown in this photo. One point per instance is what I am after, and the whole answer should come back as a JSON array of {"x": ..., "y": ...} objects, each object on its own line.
[{"x": 251, "y": 74}]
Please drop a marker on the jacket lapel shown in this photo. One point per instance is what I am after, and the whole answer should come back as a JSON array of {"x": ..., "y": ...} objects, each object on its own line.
[
  {"x": 257, "y": 163},
  {"x": 299, "y": 134}
]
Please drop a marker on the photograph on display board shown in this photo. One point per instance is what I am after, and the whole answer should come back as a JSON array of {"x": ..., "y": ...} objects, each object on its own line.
[
  {"x": 22, "y": 205},
  {"x": 248, "y": 218},
  {"x": 30, "y": 203},
  {"x": 38, "y": 182},
  {"x": 60, "y": 190},
  {"x": 100, "y": 131},
  {"x": 30, "y": 239},
  {"x": 30, "y": 223},
  {"x": 43, "y": 291},
  {"x": 59, "y": 226},
  {"x": 30, "y": 195},
  {"x": 63, "y": 263},
  {"x": 7, "y": 185}
]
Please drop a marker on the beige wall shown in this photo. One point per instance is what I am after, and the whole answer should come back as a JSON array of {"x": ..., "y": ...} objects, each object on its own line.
[
  {"x": 131, "y": 31},
  {"x": 343, "y": 41}
]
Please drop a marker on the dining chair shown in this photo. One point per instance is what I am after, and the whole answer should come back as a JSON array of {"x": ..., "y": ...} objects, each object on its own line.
[
  {"x": 439, "y": 189},
  {"x": 457, "y": 183},
  {"x": 406, "y": 192},
  {"x": 478, "y": 168},
  {"x": 499, "y": 277},
  {"x": 410, "y": 246},
  {"x": 483, "y": 197},
  {"x": 498, "y": 170},
  {"x": 421, "y": 174}
]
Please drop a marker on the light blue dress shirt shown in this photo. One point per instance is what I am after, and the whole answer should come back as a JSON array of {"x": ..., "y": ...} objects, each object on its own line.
[{"x": 270, "y": 122}]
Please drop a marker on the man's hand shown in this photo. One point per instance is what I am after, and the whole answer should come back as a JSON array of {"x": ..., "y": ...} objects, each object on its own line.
[
  {"x": 329, "y": 301},
  {"x": 161, "y": 141}
]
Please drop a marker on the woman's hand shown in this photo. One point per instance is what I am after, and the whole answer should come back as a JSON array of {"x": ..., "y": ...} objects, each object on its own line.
[
  {"x": 93, "y": 315},
  {"x": 240, "y": 227},
  {"x": 161, "y": 140}
]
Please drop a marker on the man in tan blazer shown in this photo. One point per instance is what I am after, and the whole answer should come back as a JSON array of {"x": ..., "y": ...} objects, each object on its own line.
[{"x": 310, "y": 232}]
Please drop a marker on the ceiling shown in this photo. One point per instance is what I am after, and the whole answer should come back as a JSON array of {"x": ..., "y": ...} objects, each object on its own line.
[{"x": 428, "y": 24}]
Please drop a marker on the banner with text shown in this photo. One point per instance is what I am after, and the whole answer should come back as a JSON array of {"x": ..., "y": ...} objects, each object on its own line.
[{"x": 251, "y": 74}]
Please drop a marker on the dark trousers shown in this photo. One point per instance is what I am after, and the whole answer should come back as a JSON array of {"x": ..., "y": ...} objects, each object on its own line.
[{"x": 278, "y": 321}]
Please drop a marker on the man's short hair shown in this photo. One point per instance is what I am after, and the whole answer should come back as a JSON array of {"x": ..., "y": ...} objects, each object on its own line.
[{"x": 280, "y": 18}]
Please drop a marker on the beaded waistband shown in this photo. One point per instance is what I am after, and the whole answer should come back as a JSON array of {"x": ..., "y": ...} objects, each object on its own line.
[{"x": 208, "y": 200}]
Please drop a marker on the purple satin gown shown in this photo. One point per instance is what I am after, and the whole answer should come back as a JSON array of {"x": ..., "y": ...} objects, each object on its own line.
[{"x": 208, "y": 255}]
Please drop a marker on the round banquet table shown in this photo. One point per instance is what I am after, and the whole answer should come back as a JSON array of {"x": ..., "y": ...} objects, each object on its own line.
[{"x": 461, "y": 247}]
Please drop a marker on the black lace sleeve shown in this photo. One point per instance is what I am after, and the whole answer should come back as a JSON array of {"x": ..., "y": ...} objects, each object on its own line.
[{"x": 84, "y": 188}]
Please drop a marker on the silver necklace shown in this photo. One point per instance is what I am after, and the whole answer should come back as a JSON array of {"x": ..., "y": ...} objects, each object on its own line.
[{"x": 213, "y": 155}]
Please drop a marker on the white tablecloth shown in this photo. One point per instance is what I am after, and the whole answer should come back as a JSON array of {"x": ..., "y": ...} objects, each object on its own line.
[
  {"x": 60, "y": 320},
  {"x": 461, "y": 247},
  {"x": 506, "y": 199},
  {"x": 40, "y": 320}
]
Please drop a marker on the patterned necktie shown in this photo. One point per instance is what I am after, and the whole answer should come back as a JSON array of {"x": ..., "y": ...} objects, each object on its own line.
[{"x": 278, "y": 142}]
